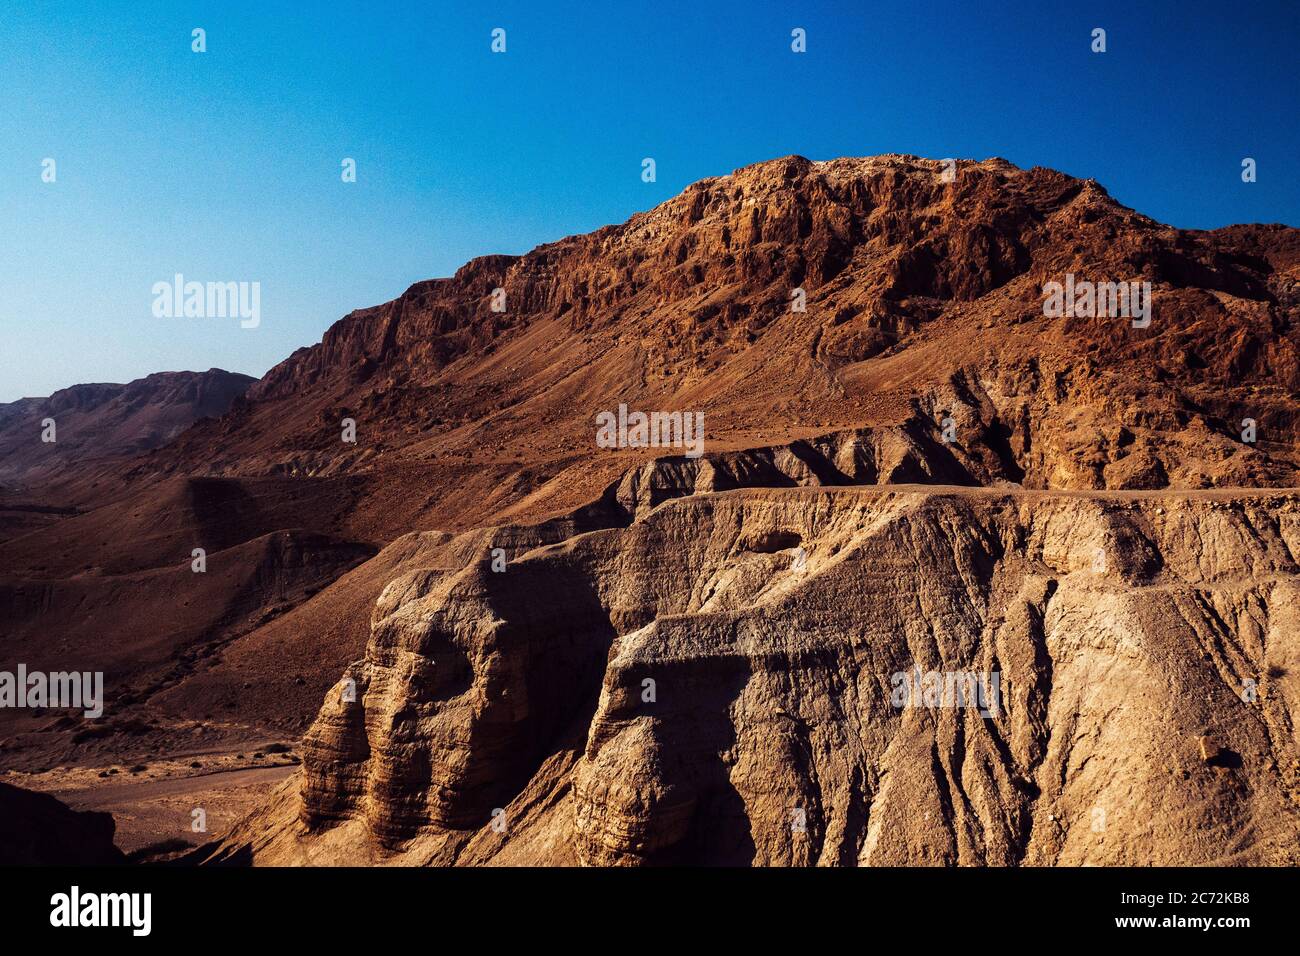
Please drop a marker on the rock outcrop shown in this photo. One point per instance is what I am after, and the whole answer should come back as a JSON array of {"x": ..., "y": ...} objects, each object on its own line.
[
  {"x": 37, "y": 829},
  {"x": 731, "y": 663}
]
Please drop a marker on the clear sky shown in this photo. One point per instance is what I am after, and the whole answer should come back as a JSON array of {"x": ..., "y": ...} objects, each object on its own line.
[{"x": 225, "y": 165}]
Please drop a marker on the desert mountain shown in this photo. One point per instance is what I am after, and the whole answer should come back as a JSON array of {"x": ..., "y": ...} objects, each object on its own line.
[
  {"x": 907, "y": 467},
  {"x": 923, "y": 298},
  {"x": 108, "y": 421}
]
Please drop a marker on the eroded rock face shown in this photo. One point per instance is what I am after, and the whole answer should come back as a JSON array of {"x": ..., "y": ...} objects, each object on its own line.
[
  {"x": 737, "y": 697},
  {"x": 463, "y": 687}
]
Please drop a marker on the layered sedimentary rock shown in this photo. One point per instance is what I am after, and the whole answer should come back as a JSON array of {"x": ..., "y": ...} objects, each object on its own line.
[
  {"x": 910, "y": 469},
  {"x": 732, "y": 660}
]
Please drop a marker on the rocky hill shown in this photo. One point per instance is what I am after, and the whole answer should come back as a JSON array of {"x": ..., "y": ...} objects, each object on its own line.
[
  {"x": 100, "y": 421},
  {"x": 565, "y": 652},
  {"x": 921, "y": 298}
]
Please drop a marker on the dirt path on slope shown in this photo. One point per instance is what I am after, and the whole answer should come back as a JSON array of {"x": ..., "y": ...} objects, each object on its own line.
[{"x": 153, "y": 812}]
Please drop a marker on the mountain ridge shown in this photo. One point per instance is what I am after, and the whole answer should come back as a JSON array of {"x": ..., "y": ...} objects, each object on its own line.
[
  {"x": 108, "y": 419},
  {"x": 688, "y": 305}
]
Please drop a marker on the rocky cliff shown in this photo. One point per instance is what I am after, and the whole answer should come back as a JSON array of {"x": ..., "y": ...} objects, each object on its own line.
[{"x": 716, "y": 683}]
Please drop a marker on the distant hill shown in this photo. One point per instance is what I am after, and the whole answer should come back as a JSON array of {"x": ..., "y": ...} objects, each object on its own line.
[{"x": 99, "y": 421}]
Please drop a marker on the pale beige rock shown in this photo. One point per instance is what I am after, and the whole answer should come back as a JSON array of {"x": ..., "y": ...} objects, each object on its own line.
[{"x": 770, "y": 737}]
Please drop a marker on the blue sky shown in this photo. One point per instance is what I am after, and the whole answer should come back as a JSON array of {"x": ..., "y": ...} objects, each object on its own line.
[{"x": 226, "y": 165}]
